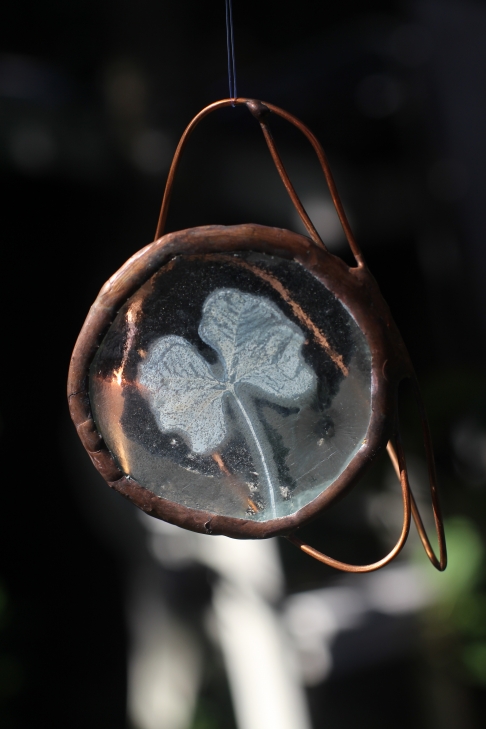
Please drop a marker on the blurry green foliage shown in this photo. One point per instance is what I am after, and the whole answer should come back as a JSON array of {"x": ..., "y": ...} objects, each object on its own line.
[
  {"x": 204, "y": 720},
  {"x": 474, "y": 657},
  {"x": 465, "y": 557},
  {"x": 459, "y": 617}
]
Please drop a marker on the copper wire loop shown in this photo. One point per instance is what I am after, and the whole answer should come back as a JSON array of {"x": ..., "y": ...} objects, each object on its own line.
[{"x": 260, "y": 111}]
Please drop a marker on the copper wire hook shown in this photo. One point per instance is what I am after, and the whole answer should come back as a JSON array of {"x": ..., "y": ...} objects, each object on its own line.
[{"x": 259, "y": 109}]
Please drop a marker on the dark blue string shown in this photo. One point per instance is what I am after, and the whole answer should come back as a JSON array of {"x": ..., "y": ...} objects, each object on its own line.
[{"x": 230, "y": 43}]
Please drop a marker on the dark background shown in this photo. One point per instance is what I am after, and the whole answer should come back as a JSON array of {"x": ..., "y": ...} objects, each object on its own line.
[{"x": 93, "y": 97}]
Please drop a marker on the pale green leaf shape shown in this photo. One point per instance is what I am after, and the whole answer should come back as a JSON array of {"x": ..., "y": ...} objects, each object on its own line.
[{"x": 258, "y": 347}]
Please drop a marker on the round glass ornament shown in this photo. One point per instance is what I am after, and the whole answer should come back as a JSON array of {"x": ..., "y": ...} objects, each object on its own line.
[{"x": 236, "y": 380}]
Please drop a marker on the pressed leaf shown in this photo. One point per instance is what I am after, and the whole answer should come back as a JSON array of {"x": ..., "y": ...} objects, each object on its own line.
[
  {"x": 183, "y": 393},
  {"x": 257, "y": 345}
]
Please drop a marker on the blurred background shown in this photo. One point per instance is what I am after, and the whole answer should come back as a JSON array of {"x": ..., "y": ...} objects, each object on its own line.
[{"x": 93, "y": 99}]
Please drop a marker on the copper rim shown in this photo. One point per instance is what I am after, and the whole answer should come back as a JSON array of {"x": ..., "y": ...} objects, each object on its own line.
[{"x": 354, "y": 287}]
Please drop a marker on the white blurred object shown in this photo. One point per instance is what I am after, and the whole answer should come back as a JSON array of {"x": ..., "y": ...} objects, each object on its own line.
[
  {"x": 317, "y": 617},
  {"x": 314, "y": 619},
  {"x": 252, "y": 564},
  {"x": 468, "y": 439},
  {"x": 323, "y": 214},
  {"x": 262, "y": 669},
  {"x": 164, "y": 660}
]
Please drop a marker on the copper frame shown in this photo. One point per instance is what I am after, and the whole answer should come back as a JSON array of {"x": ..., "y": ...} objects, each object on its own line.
[{"x": 353, "y": 286}]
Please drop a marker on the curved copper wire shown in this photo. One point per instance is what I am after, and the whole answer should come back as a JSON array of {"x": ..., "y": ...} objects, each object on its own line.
[
  {"x": 258, "y": 109},
  {"x": 398, "y": 457},
  {"x": 321, "y": 156},
  {"x": 440, "y": 563},
  {"x": 260, "y": 112}
]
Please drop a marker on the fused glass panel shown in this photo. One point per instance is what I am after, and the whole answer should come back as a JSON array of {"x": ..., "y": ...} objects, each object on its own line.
[{"x": 233, "y": 383}]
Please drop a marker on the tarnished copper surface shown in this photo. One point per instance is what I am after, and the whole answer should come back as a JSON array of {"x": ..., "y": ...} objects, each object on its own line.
[{"x": 354, "y": 287}]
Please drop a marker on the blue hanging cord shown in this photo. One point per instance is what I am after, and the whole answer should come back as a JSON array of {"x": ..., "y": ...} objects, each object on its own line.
[{"x": 230, "y": 43}]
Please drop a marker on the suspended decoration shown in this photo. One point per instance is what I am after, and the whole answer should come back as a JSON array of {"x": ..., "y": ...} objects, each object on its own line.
[{"x": 238, "y": 380}]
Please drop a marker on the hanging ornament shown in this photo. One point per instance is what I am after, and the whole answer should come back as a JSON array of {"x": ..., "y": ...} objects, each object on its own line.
[{"x": 238, "y": 380}]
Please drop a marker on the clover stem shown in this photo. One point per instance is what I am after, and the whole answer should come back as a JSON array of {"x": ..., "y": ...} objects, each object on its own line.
[{"x": 262, "y": 457}]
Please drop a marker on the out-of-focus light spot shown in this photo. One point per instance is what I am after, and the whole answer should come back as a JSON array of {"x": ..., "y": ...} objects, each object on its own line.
[
  {"x": 465, "y": 560},
  {"x": 379, "y": 96},
  {"x": 323, "y": 214},
  {"x": 398, "y": 592},
  {"x": 32, "y": 148},
  {"x": 151, "y": 151},
  {"x": 126, "y": 91},
  {"x": 385, "y": 508},
  {"x": 256, "y": 650},
  {"x": 410, "y": 44},
  {"x": 468, "y": 439},
  {"x": 314, "y": 619},
  {"x": 448, "y": 180},
  {"x": 164, "y": 664}
]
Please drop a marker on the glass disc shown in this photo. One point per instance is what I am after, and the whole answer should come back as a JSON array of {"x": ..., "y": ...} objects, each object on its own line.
[{"x": 233, "y": 383}]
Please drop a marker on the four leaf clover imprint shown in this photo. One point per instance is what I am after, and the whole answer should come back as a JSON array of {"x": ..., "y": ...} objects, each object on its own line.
[{"x": 259, "y": 353}]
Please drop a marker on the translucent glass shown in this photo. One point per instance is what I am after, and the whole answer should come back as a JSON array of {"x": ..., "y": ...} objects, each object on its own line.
[{"x": 237, "y": 384}]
